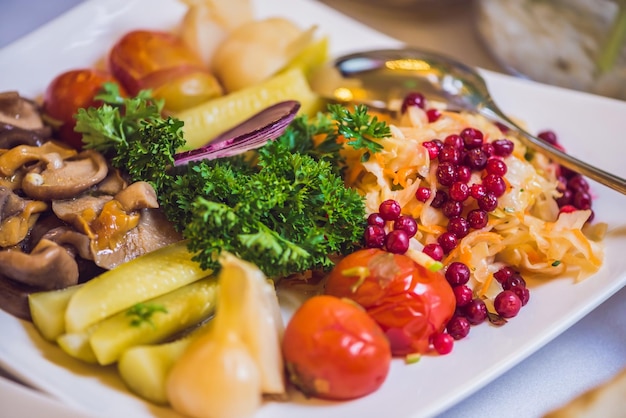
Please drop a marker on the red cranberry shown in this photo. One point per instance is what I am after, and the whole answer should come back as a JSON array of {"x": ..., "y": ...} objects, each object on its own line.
[
  {"x": 488, "y": 149},
  {"x": 458, "y": 327},
  {"x": 406, "y": 224},
  {"x": 476, "y": 159},
  {"x": 449, "y": 154},
  {"x": 477, "y": 190},
  {"x": 434, "y": 251},
  {"x": 442, "y": 343},
  {"x": 566, "y": 172},
  {"x": 488, "y": 202},
  {"x": 582, "y": 200},
  {"x": 578, "y": 183},
  {"x": 389, "y": 210},
  {"x": 375, "y": 219},
  {"x": 477, "y": 218},
  {"x": 413, "y": 99},
  {"x": 507, "y": 304},
  {"x": 457, "y": 273},
  {"x": 459, "y": 191},
  {"x": 504, "y": 273},
  {"x": 475, "y": 311},
  {"x": 433, "y": 115},
  {"x": 397, "y": 241},
  {"x": 432, "y": 148},
  {"x": 374, "y": 236},
  {"x": 463, "y": 173},
  {"x": 495, "y": 184},
  {"x": 440, "y": 198},
  {"x": 515, "y": 280},
  {"x": 472, "y": 138},
  {"x": 502, "y": 147},
  {"x": 566, "y": 198},
  {"x": 496, "y": 166},
  {"x": 522, "y": 293},
  {"x": 454, "y": 140},
  {"x": 463, "y": 295},
  {"x": 458, "y": 226},
  {"x": 448, "y": 241},
  {"x": 446, "y": 173},
  {"x": 548, "y": 136},
  {"x": 422, "y": 194},
  {"x": 452, "y": 208}
]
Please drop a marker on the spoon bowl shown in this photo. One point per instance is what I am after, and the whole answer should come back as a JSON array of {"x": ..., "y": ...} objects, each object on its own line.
[{"x": 384, "y": 77}]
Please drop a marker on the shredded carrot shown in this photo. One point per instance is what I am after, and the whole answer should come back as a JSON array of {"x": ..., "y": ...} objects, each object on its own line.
[
  {"x": 431, "y": 229},
  {"x": 483, "y": 290}
]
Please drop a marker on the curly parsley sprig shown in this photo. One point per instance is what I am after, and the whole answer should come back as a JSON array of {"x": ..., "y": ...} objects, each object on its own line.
[
  {"x": 360, "y": 128},
  {"x": 283, "y": 207}
]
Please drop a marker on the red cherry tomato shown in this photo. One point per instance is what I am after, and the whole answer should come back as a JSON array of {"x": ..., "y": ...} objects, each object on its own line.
[
  {"x": 69, "y": 92},
  {"x": 409, "y": 302},
  {"x": 161, "y": 62},
  {"x": 334, "y": 350}
]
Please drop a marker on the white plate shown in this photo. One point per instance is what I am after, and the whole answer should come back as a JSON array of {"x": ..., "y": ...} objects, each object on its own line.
[{"x": 589, "y": 126}]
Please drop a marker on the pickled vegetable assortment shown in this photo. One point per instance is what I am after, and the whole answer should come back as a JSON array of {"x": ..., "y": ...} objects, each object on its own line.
[{"x": 405, "y": 231}]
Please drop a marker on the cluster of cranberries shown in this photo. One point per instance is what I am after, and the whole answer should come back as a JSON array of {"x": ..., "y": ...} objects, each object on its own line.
[
  {"x": 458, "y": 157},
  {"x": 472, "y": 310},
  {"x": 573, "y": 186}
]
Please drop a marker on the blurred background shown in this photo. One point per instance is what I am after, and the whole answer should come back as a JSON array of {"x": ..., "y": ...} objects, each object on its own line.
[{"x": 577, "y": 44}]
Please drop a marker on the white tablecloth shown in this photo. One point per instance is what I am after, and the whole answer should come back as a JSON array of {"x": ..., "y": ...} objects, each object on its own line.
[{"x": 587, "y": 354}]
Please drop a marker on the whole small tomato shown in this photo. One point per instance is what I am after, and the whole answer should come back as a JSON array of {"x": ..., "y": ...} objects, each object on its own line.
[
  {"x": 161, "y": 62},
  {"x": 69, "y": 92},
  {"x": 408, "y": 301},
  {"x": 334, "y": 350}
]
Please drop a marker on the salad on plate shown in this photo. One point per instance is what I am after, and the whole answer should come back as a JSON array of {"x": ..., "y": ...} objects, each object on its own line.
[{"x": 306, "y": 253}]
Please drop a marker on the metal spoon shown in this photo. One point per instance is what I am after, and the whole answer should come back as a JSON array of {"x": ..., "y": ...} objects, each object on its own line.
[{"x": 385, "y": 76}]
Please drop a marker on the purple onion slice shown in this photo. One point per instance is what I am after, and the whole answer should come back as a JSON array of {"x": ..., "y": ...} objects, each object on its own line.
[{"x": 253, "y": 133}]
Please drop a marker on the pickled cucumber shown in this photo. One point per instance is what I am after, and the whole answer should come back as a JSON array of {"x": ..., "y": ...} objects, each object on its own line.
[
  {"x": 206, "y": 121},
  {"x": 47, "y": 310},
  {"x": 156, "y": 320},
  {"x": 145, "y": 277}
]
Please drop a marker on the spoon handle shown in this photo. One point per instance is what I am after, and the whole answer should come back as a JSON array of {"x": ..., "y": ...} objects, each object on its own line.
[{"x": 610, "y": 180}]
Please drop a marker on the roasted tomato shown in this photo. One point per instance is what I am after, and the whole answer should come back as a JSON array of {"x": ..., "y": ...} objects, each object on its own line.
[
  {"x": 161, "y": 62},
  {"x": 409, "y": 302},
  {"x": 69, "y": 92},
  {"x": 334, "y": 350}
]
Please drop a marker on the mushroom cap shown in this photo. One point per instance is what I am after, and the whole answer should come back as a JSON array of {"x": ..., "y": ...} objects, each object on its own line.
[
  {"x": 66, "y": 180},
  {"x": 19, "y": 111},
  {"x": 48, "y": 266}
]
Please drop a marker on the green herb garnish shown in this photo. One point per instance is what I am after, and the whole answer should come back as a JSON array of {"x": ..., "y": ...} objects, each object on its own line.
[
  {"x": 283, "y": 207},
  {"x": 142, "y": 313},
  {"x": 360, "y": 128}
]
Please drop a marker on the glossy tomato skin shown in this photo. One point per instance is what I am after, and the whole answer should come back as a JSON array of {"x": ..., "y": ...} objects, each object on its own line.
[
  {"x": 334, "y": 350},
  {"x": 68, "y": 92},
  {"x": 408, "y": 301},
  {"x": 161, "y": 62}
]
